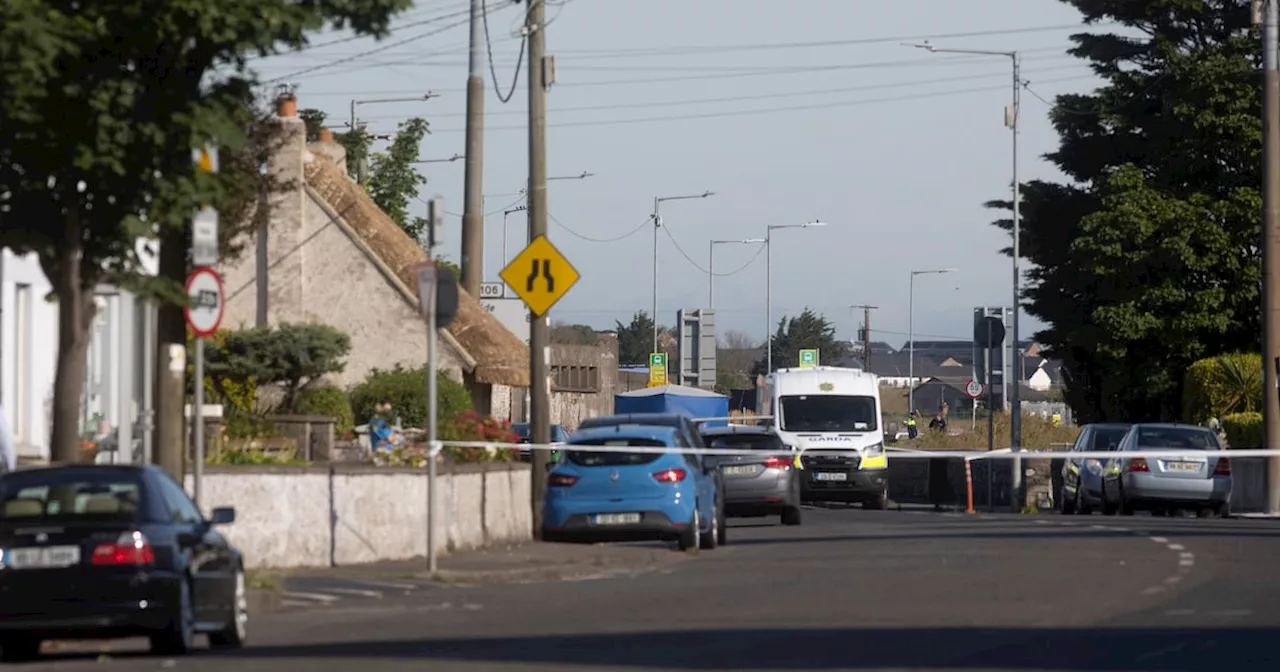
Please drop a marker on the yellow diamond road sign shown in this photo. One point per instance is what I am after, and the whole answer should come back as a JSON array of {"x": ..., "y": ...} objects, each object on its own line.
[{"x": 540, "y": 275}]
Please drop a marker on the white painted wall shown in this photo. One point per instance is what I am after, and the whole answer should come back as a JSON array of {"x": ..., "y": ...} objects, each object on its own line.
[
  {"x": 322, "y": 516},
  {"x": 28, "y": 351}
]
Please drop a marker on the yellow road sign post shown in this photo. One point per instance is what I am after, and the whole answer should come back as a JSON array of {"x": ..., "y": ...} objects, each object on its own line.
[
  {"x": 657, "y": 369},
  {"x": 540, "y": 275}
]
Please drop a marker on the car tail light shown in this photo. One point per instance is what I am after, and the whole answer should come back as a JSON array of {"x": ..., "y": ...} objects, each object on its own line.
[
  {"x": 132, "y": 548},
  {"x": 1223, "y": 468},
  {"x": 776, "y": 462},
  {"x": 670, "y": 476},
  {"x": 561, "y": 480},
  {"x": 1138, "y": 464}
]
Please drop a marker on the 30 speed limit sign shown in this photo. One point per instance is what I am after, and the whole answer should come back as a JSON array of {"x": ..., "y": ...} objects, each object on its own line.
[{"x": 973, "y": 389}]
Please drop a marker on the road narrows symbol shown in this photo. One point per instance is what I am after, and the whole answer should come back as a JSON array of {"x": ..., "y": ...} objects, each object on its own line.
[{"x": 546, "y": 274}]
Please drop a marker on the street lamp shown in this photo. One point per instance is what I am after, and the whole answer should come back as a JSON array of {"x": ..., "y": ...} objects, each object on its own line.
[
  {"x": 362, "y": 166},
  {"x": 505, "y": 213},
  {"x": 911, "y": 335},
  {"x": 657, "y": 224},
  {"x": 1011, "y": 115},
  {"x": 711, "y": 266},
  {"x": 768, "y": 285}
]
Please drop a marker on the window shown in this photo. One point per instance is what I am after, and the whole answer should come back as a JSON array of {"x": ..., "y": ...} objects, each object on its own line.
[
  {"x": 51, "y": 497},
  {"x": 1107, "y": 439},
  {"x": 179, "y": 504},
  {"x": 1176, "y": 438},
  {"x": 829, "y": 413},
  {"x": 574, "y": 378},
  {"x": 765, "y": 442},
  {"x": 588, "y": 458}
]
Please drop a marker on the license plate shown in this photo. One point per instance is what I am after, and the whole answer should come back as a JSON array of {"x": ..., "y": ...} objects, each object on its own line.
[
  {"x": 1183, "y": 466},
  {"x": 740, "y": 471},
  {"x": 617, "y": 519},
  {"x": 831, "y": 476},
  {"x": 48, "y": 557}
]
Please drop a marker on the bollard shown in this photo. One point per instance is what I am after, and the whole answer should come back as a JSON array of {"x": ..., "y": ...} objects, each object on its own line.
[{"x": 968, "y": 486}]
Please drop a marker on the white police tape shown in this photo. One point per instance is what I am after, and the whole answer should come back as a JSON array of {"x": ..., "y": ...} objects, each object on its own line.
[{"x": 892, "y": 452}]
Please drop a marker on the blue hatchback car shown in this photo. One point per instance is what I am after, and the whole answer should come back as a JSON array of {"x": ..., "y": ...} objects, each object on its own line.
[{"x": 613, "y": 495}]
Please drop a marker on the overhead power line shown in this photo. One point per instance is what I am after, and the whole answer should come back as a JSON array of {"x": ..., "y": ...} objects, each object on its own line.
[
  {"x": 589, "y": 239},
  {"x": 772, "y": 110},
  {"x": 1003, "y": 74}
]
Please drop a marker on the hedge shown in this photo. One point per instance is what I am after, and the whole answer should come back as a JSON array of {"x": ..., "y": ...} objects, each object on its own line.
[
  {"x": 328, "y": 401},
  {"x": 406, "y": 389},
  {"x": 1243, "y": 430},
  {"x": 1220, "y": 385}
]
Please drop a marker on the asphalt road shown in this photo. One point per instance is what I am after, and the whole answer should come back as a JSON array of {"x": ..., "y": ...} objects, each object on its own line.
[{"x": 848, "y": 590}]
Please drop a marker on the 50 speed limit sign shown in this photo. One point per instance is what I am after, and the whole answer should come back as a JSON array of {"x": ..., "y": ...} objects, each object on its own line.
[{"x": 973, "y": 389}]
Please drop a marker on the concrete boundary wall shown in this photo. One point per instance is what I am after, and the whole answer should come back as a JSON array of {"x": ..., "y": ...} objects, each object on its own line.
[{"x": 346, "y": 514}]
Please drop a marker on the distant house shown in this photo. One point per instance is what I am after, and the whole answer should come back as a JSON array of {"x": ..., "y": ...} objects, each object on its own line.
[
  {"x": 897, "y": 370},
  {"x": 330, "y": 255}
]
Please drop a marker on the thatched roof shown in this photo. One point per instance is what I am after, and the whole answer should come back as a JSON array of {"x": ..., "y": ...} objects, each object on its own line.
[{"x": 501, "y": 358}]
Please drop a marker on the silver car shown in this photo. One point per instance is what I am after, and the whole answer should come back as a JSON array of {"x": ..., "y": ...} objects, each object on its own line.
[
  {"x": 1082, "y": 478},
  {"x": 1200, "y": 480},
  {"x": 760, "y": 484}
]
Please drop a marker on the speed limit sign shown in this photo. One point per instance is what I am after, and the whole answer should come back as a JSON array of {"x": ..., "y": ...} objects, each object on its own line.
[{"x": 973, "y": 389}]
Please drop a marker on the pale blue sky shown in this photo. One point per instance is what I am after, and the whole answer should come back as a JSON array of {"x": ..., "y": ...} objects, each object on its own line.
[{"x": 870, "y": 141}]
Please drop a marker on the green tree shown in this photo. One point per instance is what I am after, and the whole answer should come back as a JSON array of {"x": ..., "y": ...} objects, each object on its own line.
[
  {"x": 103, "y": 102},
  {"x": 394, "y": 180},
  {"x": 293, "y": 356},
  {"x": 806, "y": 331},
  {"x": 635, "y": 340},
  {"x": 1146, "y": 258}
]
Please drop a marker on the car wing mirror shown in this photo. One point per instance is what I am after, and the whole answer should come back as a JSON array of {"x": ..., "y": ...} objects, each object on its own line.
[{"x": 223, "y": 515}]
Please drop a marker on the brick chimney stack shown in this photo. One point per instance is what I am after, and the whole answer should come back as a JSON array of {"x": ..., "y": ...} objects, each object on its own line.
[
  {"x": 327, "y": 147},
  {"x": 286, "y": 105}
]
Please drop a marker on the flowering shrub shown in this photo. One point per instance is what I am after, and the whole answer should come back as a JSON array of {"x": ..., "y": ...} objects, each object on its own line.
[
  {"x": 408, "y": 455},
  {"x": 471, "y": 426}
]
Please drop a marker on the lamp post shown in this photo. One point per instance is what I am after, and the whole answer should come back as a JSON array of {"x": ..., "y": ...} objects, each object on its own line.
[
  {"x": 505, "y": 214},
  {"x": 768, "y": 285},
  {"x": 711, "y": 265},
  {"x": 1011, "y": 115},
  {"x": 362, "y": 166},
  {"x": 911, "y": 334},
  {"x": 657, "y": 224}
]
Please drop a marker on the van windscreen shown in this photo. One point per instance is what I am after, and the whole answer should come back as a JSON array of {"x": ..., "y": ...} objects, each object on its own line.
[{"x": 829, "y": 413}]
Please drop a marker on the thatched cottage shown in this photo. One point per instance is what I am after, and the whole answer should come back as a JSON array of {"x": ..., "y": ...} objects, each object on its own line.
[{"x": 324, "y": 252}]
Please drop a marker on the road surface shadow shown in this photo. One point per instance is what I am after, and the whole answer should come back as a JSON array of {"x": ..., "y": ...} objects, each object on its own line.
[{"x": 1048, "y": 649}]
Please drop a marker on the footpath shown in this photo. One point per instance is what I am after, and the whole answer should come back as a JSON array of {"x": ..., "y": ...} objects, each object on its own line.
[{"x": 277, "y": 589}]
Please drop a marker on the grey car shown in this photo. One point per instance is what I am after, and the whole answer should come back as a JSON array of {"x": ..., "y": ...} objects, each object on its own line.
[
  {"x": 763, "y": 483},
  {"x": 1082, "y": 478},
  {"x": 1199, "y": 480}
]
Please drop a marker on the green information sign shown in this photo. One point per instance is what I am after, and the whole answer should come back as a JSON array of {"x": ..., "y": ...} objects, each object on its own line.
[{"x": 808, "y": 358}]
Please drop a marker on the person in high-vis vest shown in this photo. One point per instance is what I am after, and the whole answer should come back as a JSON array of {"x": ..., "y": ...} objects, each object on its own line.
[{"x": 912, "y": 432}]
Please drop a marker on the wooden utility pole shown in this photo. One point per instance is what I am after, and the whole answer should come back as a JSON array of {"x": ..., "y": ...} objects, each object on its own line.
[
  {"x": 539, "y": 344},
  {"x": 1267, "y": 12},
  {"x": 866, "y": 335}
]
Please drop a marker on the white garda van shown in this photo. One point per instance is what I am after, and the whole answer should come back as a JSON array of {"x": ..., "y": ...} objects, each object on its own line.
[{"x": 833, "y": 415}]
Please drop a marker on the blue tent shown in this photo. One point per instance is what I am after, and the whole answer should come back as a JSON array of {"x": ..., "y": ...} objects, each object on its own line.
[{"x": 691, "y": 401}]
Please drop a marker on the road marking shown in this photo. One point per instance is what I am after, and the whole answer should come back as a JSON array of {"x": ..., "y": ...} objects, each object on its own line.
[
  {"x": 393, "y": 586},
  {"x": 1187, "y": 556},
  {"x": 357, "y": 592},
  {"x": 1160, "y": 540},
  {"x": 300, "y": 603},
  {"x": 1230, "y": 613},
  {"x": 1162, "y": 652},
  {"x": 1177, "y": 547},
  {"x": 1153, "y": 590},
  {"x": 1180, "y": 612},
  {"x": 472, "y": 607},
  {"x": 1186, "y": 563},
  {"x": 1173, "y": 579},
  {"x": 315, "y": 597}
]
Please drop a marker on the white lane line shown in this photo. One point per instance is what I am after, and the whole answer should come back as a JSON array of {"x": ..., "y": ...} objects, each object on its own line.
[
  {"x": 388, "y": 584},
  {"x": 1187, "y": 556},
  {"x": 1186, "y": 563},
  {"x": 300, "y": 603},
  {"x": 356, "y": 591},
  {"x": 1173, "y": 579},
  {"x": 1160, "y": 540},
  {"x": 1177, "y": 547},
  {"x": 1180, "y": 612},
  {"x": 1230, "y": 613},
  {"x": 1153, "y": 590},
  {"x": 315, "y": 597},
  {"x": 1162, "y": 652}
]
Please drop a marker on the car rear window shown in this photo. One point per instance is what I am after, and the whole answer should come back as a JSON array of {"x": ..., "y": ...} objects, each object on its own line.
[
  {"x": 1107, "y": 439},
  {"x": 1176, "y": 438},
  {"x": 601, "y": 458},
  {"x": 766, "y": 442},
  {"x": 37, "y": 496}
]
